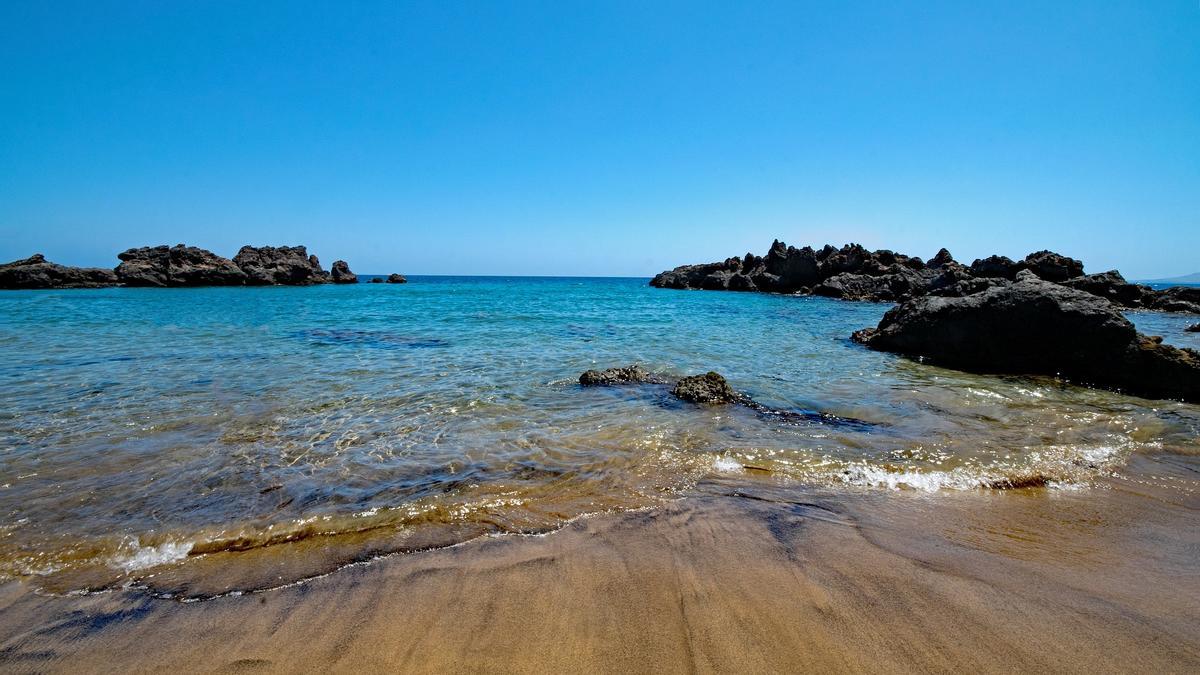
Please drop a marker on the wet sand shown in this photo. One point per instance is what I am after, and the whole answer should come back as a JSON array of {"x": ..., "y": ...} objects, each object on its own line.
[{"x": 748, "y": 575}]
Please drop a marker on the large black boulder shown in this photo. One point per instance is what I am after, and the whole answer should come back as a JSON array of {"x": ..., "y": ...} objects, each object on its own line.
[
  {"x": 1036, "y": 327},
  {"x": 996, "y": 266},
  {"x": 1053, "y": 267},
  {"x": 177, "y": 266},
  {"x": 37, "y": 272},
  {"x": 280, "y": 265}
]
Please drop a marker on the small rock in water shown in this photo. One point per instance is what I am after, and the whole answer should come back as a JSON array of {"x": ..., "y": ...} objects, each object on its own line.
[
  {"x": 1194, "y": 328},
  {"x": 624, "y": 375},
  {"x": 396, "y": 279},
  {"x": 340, "y": 273},
  {"x": 707, "y": 388},
  {"x": 377, "y": 280}
]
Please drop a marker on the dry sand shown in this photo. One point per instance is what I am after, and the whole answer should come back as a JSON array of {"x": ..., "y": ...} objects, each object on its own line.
[{"x": 747, "y": 576}]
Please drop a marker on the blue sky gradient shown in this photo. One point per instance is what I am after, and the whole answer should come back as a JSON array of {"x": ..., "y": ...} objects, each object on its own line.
[{"x": 602, "y": 138}]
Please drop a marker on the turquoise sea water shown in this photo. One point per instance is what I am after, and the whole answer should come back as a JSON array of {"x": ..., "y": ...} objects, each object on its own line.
[{"x": 151, "y": 428}]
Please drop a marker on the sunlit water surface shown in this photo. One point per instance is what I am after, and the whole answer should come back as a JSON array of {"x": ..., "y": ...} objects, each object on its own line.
[{"x": 143, "y": 428}]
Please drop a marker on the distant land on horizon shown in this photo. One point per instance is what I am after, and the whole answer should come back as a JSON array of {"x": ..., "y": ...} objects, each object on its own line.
[{"x": 1193, "y": 278}]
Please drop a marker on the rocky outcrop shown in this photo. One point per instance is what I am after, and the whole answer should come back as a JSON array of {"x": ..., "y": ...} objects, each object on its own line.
[
  {"x": 633, "y": 374},
  {"x": 279, "y": 265},
  {"x": 1194, "y": 328},
  {"x": 1053, "y": 267},
  {"x": 854, "y": 273},
  {"x": 1176, "y": 299},
  {"x": 37, "y": 272},
  {"x": 1112, "y": 287},
  {"x": 396, "y": 279},
  {"x": 377, "y": 280},
  {"x": 178, "y": 265},
  {"x": 1033, "y": 326},
  {"x": 707, "y": 388},
  {"x": 340, "y": 273}
]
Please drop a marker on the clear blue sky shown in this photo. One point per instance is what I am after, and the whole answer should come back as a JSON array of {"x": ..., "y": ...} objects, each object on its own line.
[{"x": 601, "y": 138}]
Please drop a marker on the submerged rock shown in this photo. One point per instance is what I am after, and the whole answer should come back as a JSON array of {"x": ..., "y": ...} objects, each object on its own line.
[
  {"x": 396, "y": 279},
  {"x": 1034, "y": 326},
  {"x": 710, "y": 387},
  {"x": 178, "y": 265},
  {"x": 37, "y": 272},
  {"x": 280, "y": 265},
  {"x": 340, "y": 273},
  {"x": 633, "y": 374}
]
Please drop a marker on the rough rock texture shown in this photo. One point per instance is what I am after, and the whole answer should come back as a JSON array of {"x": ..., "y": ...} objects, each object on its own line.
[
  {"x": 396, "y": 279},
  {"x": 1112, "y": 286},
  {"x": 1052, "y": 266},
  {"x": 177, "y": 266},
  {"x": 37, "y": 272},
  {"x": 633, "y": 374},
  {"x": 707, "y": 388},
  {"x": 1176, "y": 299},
  {"x": 279, "y": 265},
  {"x": 854, "y": 273},
  {"x": 340, "y": 273},
  {"x": 1036, "y": 327}
]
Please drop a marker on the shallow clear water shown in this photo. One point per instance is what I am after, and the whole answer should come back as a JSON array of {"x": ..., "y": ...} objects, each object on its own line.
[{"x": 140, "y": 427}]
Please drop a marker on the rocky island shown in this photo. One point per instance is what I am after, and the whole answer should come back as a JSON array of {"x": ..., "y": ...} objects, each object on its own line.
[
  {"x": 855, "y": 273},
  {"x": 181, "y": 266}
]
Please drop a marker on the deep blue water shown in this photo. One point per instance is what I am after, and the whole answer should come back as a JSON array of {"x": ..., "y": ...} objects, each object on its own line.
[{"x": 140, "y": 425}]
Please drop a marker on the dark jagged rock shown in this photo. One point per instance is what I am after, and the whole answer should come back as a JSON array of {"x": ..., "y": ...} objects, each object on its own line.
[
  {"x": 177, "y": 266},
  {"x": 279, "y": 265},
  {"x": 1112, "y": 287},
  {"x": 1034, "y": 326},
  {"x": 1194, "y": 328},
  {"x": 707, "y": 388},
  {"x": 1176, "y": 299},
  {"x": 941, "y": 259},
  {"x": 396, "y": 279},
  {"x": 37, "y": 272},
  {"x": 854, "y": 273},
  {"x": 340, "y": 273},
  {"x": 633, "y": 374},
  {"x": 1052, "y": 266},
  {"x": 377, "y": 280},
  {"x": 899, "y": 285},
  {"x": 969, "y": 286},
  {"x": 996, "y": 266}
]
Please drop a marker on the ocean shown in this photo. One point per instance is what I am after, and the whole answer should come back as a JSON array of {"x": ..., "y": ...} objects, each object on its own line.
[{"x": 201, "y": 441}]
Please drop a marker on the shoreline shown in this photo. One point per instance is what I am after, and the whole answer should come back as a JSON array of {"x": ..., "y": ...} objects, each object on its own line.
[{"x": 746, "y": 575}]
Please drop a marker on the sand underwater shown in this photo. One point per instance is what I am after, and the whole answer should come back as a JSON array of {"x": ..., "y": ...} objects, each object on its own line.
[{"x": 409, "y": 478}]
